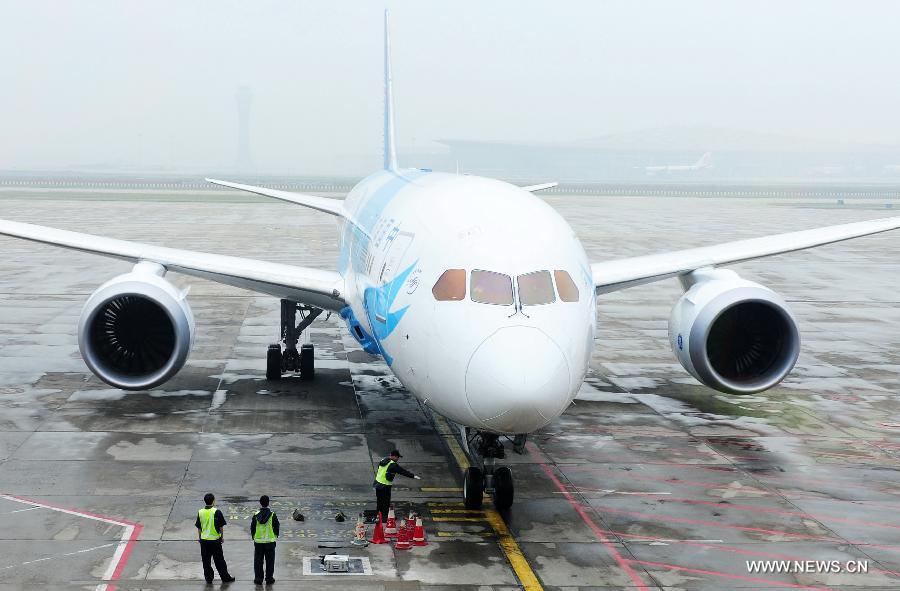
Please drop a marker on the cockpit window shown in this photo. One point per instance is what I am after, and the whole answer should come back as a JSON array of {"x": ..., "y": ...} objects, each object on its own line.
[
  {"x": 451, "y": 286},
  {"x": 488, "y": 287},
  {"x": 535, "y": 288},
  {"x": 568, "y": 291}
]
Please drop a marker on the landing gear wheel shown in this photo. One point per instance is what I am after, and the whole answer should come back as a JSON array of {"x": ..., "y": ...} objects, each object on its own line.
[
  {"x": 473, "y": 488},
  {"x": 307, "y": 362},
  {"x": 503, "y": 488},
  {"x": 273, "y": 362}
]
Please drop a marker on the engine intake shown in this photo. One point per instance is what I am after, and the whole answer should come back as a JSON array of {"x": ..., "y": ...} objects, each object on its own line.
[
  {"x": 136, "y": 331},
  {"x": 733, "y": 335}
]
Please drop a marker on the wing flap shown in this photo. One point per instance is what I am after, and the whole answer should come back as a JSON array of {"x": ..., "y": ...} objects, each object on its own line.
[
  {"x": 311, "y": 286},
  {"x": 623, "y": 273}
]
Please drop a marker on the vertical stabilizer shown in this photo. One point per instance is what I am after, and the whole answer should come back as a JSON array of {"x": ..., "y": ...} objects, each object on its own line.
[
  {"x": 390, "y": 154},
  {"x": 705, "y": 161}
]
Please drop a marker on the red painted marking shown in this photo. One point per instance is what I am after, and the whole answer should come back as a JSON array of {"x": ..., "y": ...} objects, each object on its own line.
[
  {"x": 78, "y": 511},
  {"x": 716, "y": 573},
  {"x": 598, "y": 532},
  {"x": 129, "y": 547}
]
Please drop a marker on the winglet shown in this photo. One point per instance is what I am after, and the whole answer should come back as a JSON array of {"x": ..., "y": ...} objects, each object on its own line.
[{"x": 390, "y": 154}]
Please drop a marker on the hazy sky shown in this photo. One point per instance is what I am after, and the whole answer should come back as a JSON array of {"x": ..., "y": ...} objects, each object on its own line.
[{"x": 153, "y": 83}]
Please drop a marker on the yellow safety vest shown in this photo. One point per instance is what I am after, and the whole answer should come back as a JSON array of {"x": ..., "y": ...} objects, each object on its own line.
[
  {"x": 381, "y": 475},
  {"x": 264, "y": 533},
  {"x": 208, "y": 524}
]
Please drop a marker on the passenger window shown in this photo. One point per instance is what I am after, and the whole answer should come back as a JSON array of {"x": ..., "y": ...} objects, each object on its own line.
[
  {"x": 568, "y": 291},
  {"x": 451, "y": 287},
  {"x": 536, "y": 288},
  {"x": 488, "y": 287}
]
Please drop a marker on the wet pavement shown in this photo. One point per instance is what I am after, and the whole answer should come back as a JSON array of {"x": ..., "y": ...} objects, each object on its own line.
[{"x": 649, "y": 481}]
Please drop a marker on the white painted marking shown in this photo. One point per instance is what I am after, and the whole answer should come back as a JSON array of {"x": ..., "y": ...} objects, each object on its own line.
[
  {"x": 57, "y": 556},
  {"x": 120, "y": 546},
  {"x": 611, "y": 492},
  {"x": 37, "y": 505}
]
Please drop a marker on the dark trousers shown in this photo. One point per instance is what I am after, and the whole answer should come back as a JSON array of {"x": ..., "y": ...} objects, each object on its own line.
[
  {"x": 212, "y": 549},
  {"x": 383, "y": 498},
  {"x": 261, "y": 551}
]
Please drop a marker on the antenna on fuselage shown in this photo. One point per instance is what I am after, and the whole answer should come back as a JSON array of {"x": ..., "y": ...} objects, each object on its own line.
[{"x": 390, "y": 154}]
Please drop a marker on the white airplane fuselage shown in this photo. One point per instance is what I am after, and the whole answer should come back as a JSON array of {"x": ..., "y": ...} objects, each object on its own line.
[{"x": 504, "y": 368}]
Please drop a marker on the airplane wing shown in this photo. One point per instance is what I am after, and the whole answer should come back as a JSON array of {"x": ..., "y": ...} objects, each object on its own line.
[
  {"x": 619, "y": 274},
  {"x": 309, "y": 286},
  {"x": 332, "y": 206},
  {"x": 541, "y": 187}
]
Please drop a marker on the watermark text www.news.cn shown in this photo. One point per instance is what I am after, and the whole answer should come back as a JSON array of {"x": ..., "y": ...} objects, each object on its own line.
[{"x": 807, "y": 566}]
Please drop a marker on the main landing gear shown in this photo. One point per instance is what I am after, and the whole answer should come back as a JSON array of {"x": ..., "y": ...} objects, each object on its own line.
[
  {"x": 292, "y": 360},
  {"x": 489, "y": 477}
]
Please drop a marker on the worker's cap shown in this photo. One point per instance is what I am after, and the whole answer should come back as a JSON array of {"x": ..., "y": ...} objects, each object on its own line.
[{"x": 396, "y": 452}]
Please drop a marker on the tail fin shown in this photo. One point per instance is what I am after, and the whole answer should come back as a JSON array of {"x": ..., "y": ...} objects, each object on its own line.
[
  {"x": 705, "y": 161},
  {"x": 390, "y": 154}
]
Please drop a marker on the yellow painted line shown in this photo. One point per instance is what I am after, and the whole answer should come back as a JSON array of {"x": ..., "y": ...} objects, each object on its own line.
[
  {"x": 506, "y": 540},
  {"x": 441, "y": 489},
  {"x": 478, "y": 519},
  {"x": 458, "y": 454},
  {"x": 459, "y": 534},
  {"x": 513, "y": 553},
  {"x": 457, "y": 511}
]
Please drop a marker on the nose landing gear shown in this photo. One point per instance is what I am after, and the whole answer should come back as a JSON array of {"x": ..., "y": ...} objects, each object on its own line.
[
  {"x": 292, "y": 360},
  {"x": 490, "y": 477}
]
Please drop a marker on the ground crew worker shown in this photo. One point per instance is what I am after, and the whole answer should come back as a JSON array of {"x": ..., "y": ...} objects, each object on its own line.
[
  {"x": 384, "y": 480},
  {"x": 210, "y": 526},
  {"x": 264, "y": 529}
]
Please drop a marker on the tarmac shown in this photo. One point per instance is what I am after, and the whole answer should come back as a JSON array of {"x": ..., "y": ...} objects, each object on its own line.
[{"x": 649, "y": 481}]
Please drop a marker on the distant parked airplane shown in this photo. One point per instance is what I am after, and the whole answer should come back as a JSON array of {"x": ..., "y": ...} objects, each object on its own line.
[{"x": 704, "y": 163}]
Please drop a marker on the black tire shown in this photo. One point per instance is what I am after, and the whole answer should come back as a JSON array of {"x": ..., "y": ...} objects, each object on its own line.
[
  {"x": 473, "y": 488},
  {"x": 503, "y": 488},
  {"x": 307, "y": 362},
  {"x": 273, "y": 363}
]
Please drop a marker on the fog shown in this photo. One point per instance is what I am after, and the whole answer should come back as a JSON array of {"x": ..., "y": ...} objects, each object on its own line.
[{"x": 152, "y": 86}]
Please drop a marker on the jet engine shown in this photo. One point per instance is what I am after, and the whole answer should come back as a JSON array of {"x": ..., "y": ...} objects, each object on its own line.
[
  {"x": 136, "y": 331},
  {"x": 731, "y": 334}
]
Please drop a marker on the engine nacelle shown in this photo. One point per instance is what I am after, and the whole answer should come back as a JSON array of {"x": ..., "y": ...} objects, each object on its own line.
[
  {"x": 731, "y": 334},
  {"x": 136, "y": 331}
]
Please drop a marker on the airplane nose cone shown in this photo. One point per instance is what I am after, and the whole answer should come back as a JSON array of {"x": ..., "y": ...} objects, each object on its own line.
[{"x": 517, "y": 380}]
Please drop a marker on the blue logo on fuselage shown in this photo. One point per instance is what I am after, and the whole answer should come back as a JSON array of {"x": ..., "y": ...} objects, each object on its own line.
[{"x": 378, "y": 302}]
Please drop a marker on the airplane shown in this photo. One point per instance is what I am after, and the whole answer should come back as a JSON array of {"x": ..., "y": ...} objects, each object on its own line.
[
  {"x": 476, "y": 293},
  {"x": 702, "y": 164}
]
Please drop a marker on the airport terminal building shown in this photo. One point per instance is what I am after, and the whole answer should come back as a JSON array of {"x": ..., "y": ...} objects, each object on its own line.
[{"x": 735, "y": 156}]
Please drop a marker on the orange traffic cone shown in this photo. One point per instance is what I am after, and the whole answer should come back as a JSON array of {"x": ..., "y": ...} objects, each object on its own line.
[
  {"x": 418, "y": 537},
  {"x": 378, "y": 534},
  {"x": 403, "y": 542},
  {"x": 390, "y": 529}
]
